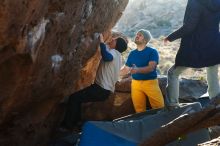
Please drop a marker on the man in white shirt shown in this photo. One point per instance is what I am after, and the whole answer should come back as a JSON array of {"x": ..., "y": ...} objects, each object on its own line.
[{"x": 106, "y": 77}]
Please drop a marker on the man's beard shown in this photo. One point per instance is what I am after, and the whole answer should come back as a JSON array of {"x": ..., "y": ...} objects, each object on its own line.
[{"x": 139, "y": 42}]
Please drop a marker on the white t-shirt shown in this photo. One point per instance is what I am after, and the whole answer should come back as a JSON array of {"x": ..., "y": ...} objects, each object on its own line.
[{"x": 108, "y": 72}]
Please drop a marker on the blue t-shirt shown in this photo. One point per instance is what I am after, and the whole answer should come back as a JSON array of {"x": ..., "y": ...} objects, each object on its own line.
[{"x": 142, "y": 59}]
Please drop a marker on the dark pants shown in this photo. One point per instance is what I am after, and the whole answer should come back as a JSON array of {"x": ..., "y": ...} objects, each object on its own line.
[{"x": 92, "y": 93}]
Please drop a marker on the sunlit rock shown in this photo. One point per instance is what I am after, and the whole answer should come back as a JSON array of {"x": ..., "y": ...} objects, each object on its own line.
[{"x": 48, "y": 50}]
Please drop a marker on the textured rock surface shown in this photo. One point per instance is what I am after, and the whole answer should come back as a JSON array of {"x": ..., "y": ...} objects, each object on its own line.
[{"x": 47, "y": 51}]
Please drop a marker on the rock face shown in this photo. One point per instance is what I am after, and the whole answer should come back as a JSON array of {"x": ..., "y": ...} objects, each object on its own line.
[{"x": 48, "y": 49}]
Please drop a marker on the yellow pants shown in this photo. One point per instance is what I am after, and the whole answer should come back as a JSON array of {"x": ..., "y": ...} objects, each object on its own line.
[{"x": 140, "y": 89}]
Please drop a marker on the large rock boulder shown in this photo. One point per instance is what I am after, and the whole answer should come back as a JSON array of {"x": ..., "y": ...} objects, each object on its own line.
[
  {"x": 188, "y": 87},
  {"x": 48, "y": 49},
  {"x": 120, "y": 104}
]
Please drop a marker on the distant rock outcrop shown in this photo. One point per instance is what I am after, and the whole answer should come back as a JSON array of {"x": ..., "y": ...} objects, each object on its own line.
[
  {"x": 48, "y": 49},
  {"x": 159, "y": 16}
]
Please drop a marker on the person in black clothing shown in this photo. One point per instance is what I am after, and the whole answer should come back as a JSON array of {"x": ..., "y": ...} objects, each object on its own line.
[{"x": 200, "y": 46}]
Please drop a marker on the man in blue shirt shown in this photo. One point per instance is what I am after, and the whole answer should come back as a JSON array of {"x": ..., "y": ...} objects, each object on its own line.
[{"x": 142, "y": 63}]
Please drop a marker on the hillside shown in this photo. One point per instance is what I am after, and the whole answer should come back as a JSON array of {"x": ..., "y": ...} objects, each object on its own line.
[{"x": 161, "y": 18}]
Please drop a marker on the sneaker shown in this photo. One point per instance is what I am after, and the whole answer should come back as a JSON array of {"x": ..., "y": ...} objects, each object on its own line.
[
  {"x": 172, "y": 106},
  {"x": 215, "y": 100},
  {"x": 71, "y": 138},
  {"x": 63, "y": 130},
  {"x": 60, "y": 132}
]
